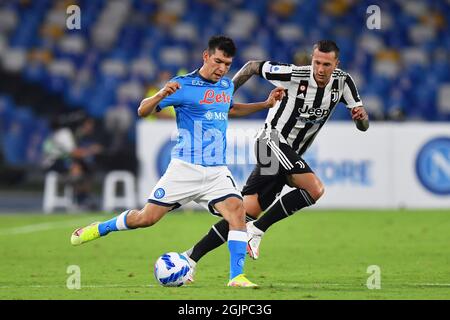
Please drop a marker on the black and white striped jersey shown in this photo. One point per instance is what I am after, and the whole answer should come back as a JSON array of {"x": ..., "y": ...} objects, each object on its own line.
[{"x": 306, "y": 107}]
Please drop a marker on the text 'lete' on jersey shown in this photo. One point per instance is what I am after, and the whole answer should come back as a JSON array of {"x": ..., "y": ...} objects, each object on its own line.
[{"x": 201, "y": 108}]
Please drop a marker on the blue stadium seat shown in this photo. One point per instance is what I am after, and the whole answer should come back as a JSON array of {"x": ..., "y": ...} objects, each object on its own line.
[
  {"x": 17, "y": 135},
  {"x": 141, "y": 36},
  {"x": 6, "y": 112}
]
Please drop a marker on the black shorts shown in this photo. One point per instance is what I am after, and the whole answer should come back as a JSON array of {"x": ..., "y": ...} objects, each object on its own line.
[{"x": 275, "y": 162}]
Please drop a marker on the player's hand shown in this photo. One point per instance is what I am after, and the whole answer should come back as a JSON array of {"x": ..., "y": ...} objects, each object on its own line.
[
  {"x": 359, "y": 113},
  {"x": 275, "y": 95},
  {"x": 169, "y": 89}
]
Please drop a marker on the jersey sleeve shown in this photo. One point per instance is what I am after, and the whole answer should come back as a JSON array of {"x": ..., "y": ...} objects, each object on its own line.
[
  {"x": 174, "y": 99},
  {"x": 279, "y": 74},
  {"x": 350, "y": 95}
]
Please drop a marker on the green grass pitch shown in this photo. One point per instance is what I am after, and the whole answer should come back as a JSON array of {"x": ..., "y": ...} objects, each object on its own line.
[{"x": 315, "y": 254}]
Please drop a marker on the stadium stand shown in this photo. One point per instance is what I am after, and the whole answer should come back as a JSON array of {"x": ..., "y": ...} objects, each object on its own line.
[{"x": 50, "y": 71}]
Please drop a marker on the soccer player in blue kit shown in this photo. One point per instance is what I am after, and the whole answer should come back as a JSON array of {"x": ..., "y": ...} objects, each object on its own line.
[{"x": 197, "y": 171}]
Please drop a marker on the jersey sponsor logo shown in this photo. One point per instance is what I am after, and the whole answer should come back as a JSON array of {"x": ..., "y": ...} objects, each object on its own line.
[
  {"x": 211, "y": 97},
  {"x": 318, "y": 112},
  {"x": 277, "y": 67},
  {"x": 301, "y": 93},
  {"x": 274, "y": 68},
  {"x": 159, "y": 193},
  {"x": 222, "y": 116},
  {"x": 433, "y": 165},
  {"x": 209, "y": 115},
  {"x": 198, "y": 83}
]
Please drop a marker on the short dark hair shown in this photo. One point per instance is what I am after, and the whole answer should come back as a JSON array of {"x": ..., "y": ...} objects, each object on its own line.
[
  {"x": 223, "y": 43},
  {"x": 327, "y": 46}
]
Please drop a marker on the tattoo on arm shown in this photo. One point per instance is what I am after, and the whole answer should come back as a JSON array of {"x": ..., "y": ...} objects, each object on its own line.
[{"x": 245, "y": 73}]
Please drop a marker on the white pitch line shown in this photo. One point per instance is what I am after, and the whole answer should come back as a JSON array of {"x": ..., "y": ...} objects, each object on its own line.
[
  {"x": 43, "y": 226},
  {"x": 302, "y": 286},
  {"x": 324, "y": 285},
  {"x": 430, "y": 284},
  {"x": 82, "y": 286}
]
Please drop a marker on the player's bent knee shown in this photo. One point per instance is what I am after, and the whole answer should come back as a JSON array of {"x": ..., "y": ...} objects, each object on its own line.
[
  {"x": 236, "y": 217},
  {"x": 317, "y": 191},
  {"x": 233, "y": 212},
  {"x": 233, "y": 204},
  {"x": 237, "y": 213},
  {"x": 252, "y": 206}
]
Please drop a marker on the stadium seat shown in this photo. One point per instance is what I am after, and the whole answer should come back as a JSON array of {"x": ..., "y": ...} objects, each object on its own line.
[
  {"x": 14, "y": 59},
  {"x": 444, "y": 99},
  {"x": 124, "y": 45},
  {"x": 6, "y": 112},
  {"x": 8, "y": 20},
  {"x": 52, "y": 198},
  {"x": 111, "y": 200},
  {"x": 143, "y": 68},
  {"x": 185, "y": 32}
]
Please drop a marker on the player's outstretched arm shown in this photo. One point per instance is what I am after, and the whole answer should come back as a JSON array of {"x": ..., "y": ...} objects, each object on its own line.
[
  {"x": 245, "y": 73},
  {"x": 149, "y": 104},
  {"x": 361, "y": 118},
  {"x": 243, "y": 109}
]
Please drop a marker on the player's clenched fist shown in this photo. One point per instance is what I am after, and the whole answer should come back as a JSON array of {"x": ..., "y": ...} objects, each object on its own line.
[
  {"x": 275, "y": 95},
  {"x": 359, "y": 113},
  {"x": 169, "y": 89}
]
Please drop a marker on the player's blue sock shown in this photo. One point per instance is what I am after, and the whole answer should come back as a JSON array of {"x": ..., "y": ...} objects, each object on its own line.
[
  {"x": 237, "y": 244},
  {"x": 115, "y": 224}
]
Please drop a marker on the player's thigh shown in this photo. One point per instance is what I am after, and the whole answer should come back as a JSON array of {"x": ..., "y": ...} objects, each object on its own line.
[
  {"x": 300, "y": 175},
  {"x": 232, "y": 210},
  {"x": 260, "y": 190},
  {"x": 217, "y": 187},
  {"x": 276, "y": 157},
  {"x": 307, "y": 181},
  {"x": 179, "y": 185},
  {"x": 252, "y": 206}
]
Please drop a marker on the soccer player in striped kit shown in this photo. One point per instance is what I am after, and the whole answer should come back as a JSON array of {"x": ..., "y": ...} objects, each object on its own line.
[{"x": 311, "y": 94}]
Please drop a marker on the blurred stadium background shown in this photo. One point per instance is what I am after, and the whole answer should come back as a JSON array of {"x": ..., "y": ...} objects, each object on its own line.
[
  {"x": 67, "y": 95},
  {"x": 52, "y": 77}
]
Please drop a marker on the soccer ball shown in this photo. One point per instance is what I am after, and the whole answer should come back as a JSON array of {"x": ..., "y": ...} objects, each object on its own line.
[{"x": 171, "y": 270}]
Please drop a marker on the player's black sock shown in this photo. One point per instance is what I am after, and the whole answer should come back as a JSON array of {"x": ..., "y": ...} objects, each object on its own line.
[
  {"x": 284, "y": 207},
  {"x": 217, "y": 235}
]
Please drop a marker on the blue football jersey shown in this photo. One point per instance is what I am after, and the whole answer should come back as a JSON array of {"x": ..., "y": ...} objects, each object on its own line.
[{"x": 201, "y": 108}]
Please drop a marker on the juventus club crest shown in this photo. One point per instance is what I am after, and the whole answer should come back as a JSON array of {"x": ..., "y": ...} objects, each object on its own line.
[{"x": 334, "y": 95}]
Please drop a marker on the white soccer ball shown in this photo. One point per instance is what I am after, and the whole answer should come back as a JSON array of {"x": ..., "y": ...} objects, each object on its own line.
[{"x": 171, "y": 270}]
